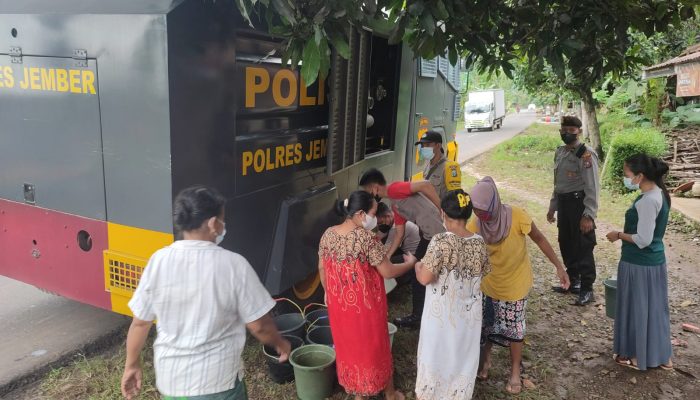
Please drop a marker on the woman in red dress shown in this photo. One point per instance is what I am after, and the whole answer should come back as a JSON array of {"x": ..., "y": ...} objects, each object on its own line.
[{"x": 353, "y": 264}]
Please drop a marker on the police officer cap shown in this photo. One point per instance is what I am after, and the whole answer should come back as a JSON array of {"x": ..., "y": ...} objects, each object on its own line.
[{"x": 430, "y": 137}]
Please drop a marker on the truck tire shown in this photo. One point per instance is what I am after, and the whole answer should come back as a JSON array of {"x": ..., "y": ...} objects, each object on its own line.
[
  {"x": 469, "y": 129},
  {"x": 307, "y": 291}
]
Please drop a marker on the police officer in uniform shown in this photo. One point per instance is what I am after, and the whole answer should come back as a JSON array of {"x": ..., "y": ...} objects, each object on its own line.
[
  {"x": 575, "y": 200},
  {"x": 444, "y": 175}
]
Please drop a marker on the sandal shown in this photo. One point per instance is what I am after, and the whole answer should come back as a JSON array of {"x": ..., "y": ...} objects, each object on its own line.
[
  {"x": 666, "y": 367},
  {"x": 625, "y": 362},
  {"x": 514, "y": 388}
]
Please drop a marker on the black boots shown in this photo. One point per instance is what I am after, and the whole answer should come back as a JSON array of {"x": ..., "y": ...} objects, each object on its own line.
[{"x": 585, "y": 297}]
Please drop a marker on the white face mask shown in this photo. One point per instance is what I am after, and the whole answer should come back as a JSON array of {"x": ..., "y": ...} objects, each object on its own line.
[
  {"x": 220, "y": 238},
  {"x": 370, "y": 222},
  {"x": 629, "y": 184},
  {"x": 427, "y": 153}
]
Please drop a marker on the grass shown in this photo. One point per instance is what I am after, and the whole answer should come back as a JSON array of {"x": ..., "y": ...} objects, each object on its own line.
[
  {"x": 96, "y": 378},
  {"x": 680, "y": 223}
]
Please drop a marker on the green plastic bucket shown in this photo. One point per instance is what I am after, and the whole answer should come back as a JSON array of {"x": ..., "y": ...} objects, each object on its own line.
[
  {"x": 314, "y": 371},
  {"x": 392, "y": 331},
  {"x": 610, "y": 297}
]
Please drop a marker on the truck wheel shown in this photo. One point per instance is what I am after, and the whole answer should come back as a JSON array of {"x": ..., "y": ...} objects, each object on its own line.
[{"x": 469, "y": 129}]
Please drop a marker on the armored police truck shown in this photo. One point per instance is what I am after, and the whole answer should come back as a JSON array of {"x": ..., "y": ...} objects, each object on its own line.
[{"x": 108, "y": 108}]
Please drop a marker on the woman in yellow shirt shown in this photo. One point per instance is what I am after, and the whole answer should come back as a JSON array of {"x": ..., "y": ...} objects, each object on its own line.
[{"x": 504, "y": 229}]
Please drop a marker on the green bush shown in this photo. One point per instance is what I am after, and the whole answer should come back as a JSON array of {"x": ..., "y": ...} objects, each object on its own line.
[
  {"x": 612, "y": 123},
  {"x": 628, "y": 143}
]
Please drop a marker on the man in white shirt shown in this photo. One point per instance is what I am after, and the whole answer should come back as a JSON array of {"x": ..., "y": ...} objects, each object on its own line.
[{"x": 204, "y": 297}]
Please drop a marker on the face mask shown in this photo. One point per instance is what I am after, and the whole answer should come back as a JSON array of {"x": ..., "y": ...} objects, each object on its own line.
[
  {"x": 384, "y": 228},
  {"x": 369, "y": 223},
  {"x": 220, "y": 238},
  {"x": 629, "y": 185},
  {"x": 568, "y": 138},
  {"x": 483, "y": 215},
  {"x": 426, "y": 153}
]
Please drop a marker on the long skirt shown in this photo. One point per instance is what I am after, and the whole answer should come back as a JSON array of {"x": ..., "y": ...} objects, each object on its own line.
[{"x": 642, "y": 321}]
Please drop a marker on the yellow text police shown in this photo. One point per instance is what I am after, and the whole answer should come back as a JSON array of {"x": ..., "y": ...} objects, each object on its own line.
[
  {"x": 270, "y": 158},
  {"x": 80, "y": 81}
]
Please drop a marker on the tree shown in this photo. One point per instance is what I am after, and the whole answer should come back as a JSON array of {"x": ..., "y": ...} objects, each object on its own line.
[
  {"x": 309, "y": 28},
  {"x": 585, "y": 40},
  {"x": 582, "y": 40}
]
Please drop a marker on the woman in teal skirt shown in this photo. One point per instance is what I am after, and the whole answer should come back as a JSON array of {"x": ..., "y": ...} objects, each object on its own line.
[{"x": 642, "y": 337}]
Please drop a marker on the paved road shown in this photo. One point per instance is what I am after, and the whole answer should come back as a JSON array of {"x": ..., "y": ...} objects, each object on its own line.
[
  {"x": 473, "y": 143},
  {"x": 37, "y": 329}
]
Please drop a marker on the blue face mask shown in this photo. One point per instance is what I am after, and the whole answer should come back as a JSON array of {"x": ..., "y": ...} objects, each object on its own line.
[
  {"x": 629, "y": 185},
  {"x": 426, "y": 153}
]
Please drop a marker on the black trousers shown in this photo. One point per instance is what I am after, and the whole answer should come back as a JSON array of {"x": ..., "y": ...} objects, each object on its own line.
[
  {"x": 576, "y": 247},
  {"x": 418, "y": 289}
]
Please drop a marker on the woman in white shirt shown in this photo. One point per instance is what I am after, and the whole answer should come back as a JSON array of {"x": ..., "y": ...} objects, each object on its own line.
[{"x": 204, "y": 297}]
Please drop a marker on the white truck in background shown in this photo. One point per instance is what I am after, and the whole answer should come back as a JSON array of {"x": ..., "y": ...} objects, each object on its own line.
[{"x": 485, "y": 109}]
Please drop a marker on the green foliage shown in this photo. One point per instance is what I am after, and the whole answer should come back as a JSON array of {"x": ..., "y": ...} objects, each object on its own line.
[
  {"x": 582, "y": 40},
  {"x": 612, "y": 123},
  {"x": 538, "y": 79},
  {"x": 631, "y": 104},
  {"x": 623, "y": 94},
  {"x": 650, "y": 103},
  {"x": 683, "y": 116},
  {"x": 628, "y": 143}
]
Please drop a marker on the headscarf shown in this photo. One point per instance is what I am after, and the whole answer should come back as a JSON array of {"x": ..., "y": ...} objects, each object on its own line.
[{"x": 484, "y": 196}]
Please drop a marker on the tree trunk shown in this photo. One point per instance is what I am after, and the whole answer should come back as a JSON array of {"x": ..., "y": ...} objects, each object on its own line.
[
  {"x": 592, "y": 122},
  {"x": 584, "y": 121},
  {"x": 560, "y": 106}
]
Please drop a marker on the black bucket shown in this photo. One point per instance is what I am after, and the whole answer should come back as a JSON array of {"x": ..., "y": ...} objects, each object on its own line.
[
  {"x": 281, "y": 372},
  {"x": 317, "y": 318},
  {"x": 320, "y": 335},
  {"x": 290, "y": 324}
]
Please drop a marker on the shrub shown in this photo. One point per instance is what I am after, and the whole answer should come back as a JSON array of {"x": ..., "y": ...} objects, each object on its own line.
[
  {"x": 612, "y": 123},
  {"x": 628, "y": 143}
]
